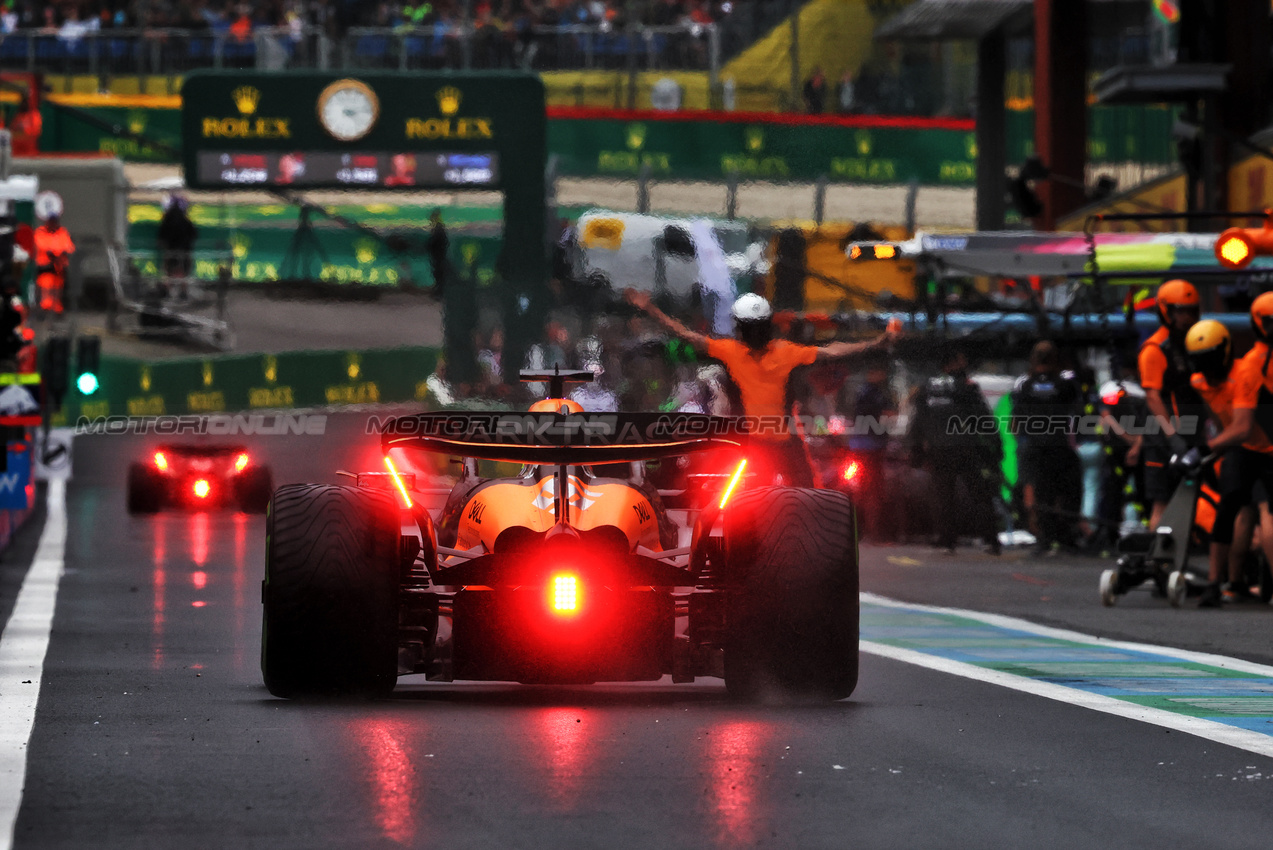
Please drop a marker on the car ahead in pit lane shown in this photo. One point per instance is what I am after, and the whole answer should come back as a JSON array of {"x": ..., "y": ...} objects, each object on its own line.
[
  {"x": 198, "y": 477},
  {"x": 565, "y": 573}
]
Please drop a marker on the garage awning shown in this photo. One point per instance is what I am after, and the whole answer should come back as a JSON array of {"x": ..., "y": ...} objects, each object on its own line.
[
  {"x": 938, "y": 20},
  {"x": 1157, "y": 84}
]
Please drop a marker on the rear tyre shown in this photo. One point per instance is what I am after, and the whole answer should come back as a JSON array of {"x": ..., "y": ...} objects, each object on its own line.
[
  {"x": 792, "y": 618},
  {"x": 145, "y": 490},
  {"x": 253, "y": 489},
  {"x": 1266, "y": 582},
  {"x": 331, "y": 592}
]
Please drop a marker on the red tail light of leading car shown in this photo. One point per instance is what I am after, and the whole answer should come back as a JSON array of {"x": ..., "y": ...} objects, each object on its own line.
[
  {"x": 201, "y": 488},
  {"x": 851, "y": 470},
  {"x": 564, "y": 594},
  {"x": 161, "y": 462},
  {"x": 241, "y": 462}
]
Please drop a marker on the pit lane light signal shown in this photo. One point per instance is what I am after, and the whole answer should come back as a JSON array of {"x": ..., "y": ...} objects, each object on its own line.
[
  {"x": 873, "y": 251},
  {"x": 1238, "y": 246},
  {"x": 88, "y": 355}
]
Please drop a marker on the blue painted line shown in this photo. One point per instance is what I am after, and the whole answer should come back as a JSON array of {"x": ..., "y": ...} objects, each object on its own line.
[{"x": 1148, "y": 680}]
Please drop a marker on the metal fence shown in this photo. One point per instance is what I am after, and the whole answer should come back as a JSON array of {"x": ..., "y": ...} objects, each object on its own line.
[{"x": 120, "y": 52}]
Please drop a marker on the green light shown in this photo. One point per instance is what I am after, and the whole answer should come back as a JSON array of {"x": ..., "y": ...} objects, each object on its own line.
[{"x": 87, "y": 383}]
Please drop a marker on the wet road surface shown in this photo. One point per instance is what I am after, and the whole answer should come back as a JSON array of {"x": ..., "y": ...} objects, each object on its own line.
[{"x": 153, "y": 728}]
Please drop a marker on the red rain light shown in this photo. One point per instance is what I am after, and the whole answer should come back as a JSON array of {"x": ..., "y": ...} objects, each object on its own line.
[
  {"x": 406, "y": 500},
  {"x": 563, "y": 594},
  {"x": 202, "y": 488},
  {"x": 851, "y": 470},
  {"x": 161, "y": 462},
  {"x": 733, "y": 483},
  {"x": 241, "y": 462}
]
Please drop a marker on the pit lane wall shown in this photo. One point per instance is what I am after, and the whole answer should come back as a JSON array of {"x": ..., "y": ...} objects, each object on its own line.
[{"x": 253, "y": 382}]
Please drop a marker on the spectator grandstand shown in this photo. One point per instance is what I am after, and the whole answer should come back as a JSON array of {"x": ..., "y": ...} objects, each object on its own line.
[{"x": 134, "y": 36}]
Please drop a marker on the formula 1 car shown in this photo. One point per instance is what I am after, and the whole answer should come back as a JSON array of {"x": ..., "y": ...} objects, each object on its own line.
[
  {"x": 198, "y": 477},
  {"x": 568, "y": 572}
]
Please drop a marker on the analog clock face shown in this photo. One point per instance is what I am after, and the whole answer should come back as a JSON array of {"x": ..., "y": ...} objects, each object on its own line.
[{"x": 348, "y": 110}]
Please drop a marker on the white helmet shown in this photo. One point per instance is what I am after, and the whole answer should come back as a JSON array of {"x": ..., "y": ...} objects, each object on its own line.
[{"x": 752, "y": 308}]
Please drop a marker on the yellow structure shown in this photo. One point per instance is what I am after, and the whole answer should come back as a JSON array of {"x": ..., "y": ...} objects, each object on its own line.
[{"x": 864, "y": 280}]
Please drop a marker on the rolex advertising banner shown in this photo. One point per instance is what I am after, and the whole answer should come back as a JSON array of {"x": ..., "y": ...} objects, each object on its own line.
[
  {"x": 754, "y": 146},
  {"x": 592, "y": 142},
  {"x": 253, "y": 382}
]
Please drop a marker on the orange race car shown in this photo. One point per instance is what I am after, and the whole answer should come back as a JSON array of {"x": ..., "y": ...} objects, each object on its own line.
[{"x": 569, "y": 571}]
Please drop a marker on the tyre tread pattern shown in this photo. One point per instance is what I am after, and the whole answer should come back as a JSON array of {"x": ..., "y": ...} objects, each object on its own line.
[
  {"x": 792, "y": 624},
  {"x": 331, "y": 593}
]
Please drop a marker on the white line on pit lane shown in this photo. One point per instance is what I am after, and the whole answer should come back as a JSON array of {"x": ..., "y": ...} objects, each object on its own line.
[
  {"x": 22, "y": 649},
  {"x": 1253, "y": 742}
]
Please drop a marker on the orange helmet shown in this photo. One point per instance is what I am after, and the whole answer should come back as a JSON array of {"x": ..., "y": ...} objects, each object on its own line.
[
  {"x": 554, "y": 405},
  {"x": 1176, "y": 294},
  {"x": 1262, "y": 316}
]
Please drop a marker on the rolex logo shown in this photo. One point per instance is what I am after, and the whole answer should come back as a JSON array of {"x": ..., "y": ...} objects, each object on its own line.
[
  {"x": 246, "y": 98},
  {"x": 636, "y": 136},
  {"x": 863, "y": 139},
  {"x": 449, "y": 100},
  {"x": 365, "y": 251},
  {"x": 239, "y": 245}
]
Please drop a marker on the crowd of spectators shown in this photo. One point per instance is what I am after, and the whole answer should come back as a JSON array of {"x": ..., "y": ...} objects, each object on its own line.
[{"x": 74, "y": 18}]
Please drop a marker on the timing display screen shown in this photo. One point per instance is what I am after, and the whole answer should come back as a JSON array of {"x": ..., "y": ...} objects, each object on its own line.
[{"x": 315, "y": 169}]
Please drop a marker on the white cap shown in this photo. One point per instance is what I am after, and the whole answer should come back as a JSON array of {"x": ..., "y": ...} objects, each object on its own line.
[{"x": 752, "y": 308}]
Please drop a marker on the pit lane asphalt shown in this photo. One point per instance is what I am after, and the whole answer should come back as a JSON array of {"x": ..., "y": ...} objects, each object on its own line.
[{"x": 153, "y": 729}]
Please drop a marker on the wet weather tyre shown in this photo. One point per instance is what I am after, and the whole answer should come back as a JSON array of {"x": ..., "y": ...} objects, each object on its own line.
[
  {"x": 330, "y": 592},
  {"x": 145, "y": 494},
  {"x": 792, "y": 617},
  {"x": 253, "y": 489}
]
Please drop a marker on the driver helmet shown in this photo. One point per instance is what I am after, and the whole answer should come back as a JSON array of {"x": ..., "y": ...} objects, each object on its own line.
[
  {"x": 1210, "y": 350},
  {"x": 753, "y": 320}
]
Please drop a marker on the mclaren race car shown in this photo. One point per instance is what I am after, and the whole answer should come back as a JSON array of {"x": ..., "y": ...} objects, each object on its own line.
[
  {"x": 569, "y": 571},
  {"x": 198, "y": 477}
]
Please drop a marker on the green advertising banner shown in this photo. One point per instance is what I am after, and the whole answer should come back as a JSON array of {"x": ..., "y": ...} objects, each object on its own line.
[
  {"x": 863, "y": 149},
  {"x": 66, "y": 131},
  {"x": 258, "y": 239},
  {"x": 1115, "y": 134},
  {"x": 710, "y": 145},
  {"x": 233, "y": 383}
]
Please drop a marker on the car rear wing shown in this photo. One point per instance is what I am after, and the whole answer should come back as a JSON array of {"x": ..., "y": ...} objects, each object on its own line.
[{"x": 563, "y": 438}]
